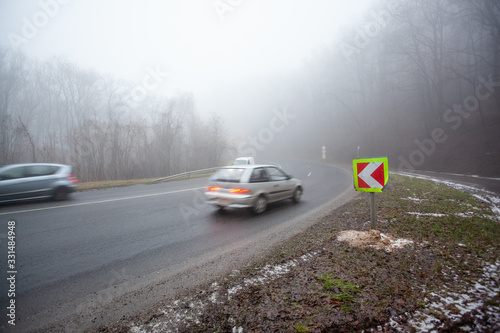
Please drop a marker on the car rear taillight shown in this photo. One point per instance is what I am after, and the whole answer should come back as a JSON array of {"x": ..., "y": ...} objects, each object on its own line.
[
  {"x": 239, "y": 190},
  {"x": 213, "y": 188},
  {"x": 72, "y": 178}
]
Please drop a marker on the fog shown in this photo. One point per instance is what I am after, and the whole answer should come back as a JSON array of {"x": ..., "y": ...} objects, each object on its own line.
[
  {"x": 126, "y": 89},
  {"x": 205, "y": 46}
]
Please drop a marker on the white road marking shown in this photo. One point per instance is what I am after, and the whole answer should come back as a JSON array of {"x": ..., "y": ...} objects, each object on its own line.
[
  {"x": 99, "y": 202},
  {"x": 309, "y": 174}
]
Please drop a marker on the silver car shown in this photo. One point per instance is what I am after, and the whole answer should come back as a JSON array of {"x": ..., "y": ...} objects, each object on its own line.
[
  {"x": 33, "y": 181},
  {"x": 251, "y": 186}
]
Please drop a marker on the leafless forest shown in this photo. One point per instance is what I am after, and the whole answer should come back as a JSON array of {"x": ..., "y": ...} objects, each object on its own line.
[
  {"x": 417, "y": 81},
  {"x": 57, "y": 112}
]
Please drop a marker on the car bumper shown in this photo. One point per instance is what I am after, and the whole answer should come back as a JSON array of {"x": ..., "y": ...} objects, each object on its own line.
[{"x": 229, "y": 200}]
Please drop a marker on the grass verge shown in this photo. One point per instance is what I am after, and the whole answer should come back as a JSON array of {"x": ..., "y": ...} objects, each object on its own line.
[
  {"x": 99, "y": 185},
  {"x": 316, "y": 283}
]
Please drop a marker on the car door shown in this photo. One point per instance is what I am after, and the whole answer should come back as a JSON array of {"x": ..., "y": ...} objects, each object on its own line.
[
  {"x": 38, "y": 180},
  {"x": 259, "y": 183},
  {"x": 12, "y": 184},
  {"x": 282, "y": 187}
]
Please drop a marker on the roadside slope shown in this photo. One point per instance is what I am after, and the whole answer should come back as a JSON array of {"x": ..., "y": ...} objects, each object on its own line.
[{"x": 441, "y": 274}]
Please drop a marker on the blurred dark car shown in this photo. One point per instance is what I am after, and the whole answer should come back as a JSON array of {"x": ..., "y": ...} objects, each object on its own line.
[
  {"x": 251, "y": 186},
  {"x": 19, "y": 182}
]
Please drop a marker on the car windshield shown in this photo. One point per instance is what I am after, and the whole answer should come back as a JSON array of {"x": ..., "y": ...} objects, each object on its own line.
[{"x": 231, "y": 175}]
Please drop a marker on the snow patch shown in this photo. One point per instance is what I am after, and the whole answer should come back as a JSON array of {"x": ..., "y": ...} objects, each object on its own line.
[
  {"x": 414, "y": 199},
  {"x": 467, "y": 214},
  {"x": 426, "y": 214},
  {"x": 189, "y": 310},
  {"x": 455, "y": 306}
]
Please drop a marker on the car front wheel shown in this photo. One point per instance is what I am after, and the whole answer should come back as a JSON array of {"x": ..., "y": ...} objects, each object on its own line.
[{"x": 297, "y": 195}]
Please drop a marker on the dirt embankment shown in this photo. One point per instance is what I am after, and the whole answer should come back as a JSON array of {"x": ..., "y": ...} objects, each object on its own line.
[{"x": 432, "y": 264}]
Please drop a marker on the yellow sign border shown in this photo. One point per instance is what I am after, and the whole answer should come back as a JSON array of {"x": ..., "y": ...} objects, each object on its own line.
[{"x": 369, "y": 160}]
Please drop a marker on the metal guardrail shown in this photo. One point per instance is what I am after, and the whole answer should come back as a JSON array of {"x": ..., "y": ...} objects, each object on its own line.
[{"x": 189, "y": 173}]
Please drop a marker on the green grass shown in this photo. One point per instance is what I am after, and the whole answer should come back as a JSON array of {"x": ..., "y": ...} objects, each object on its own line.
[
  {"x": 341, "y": 291},
  {"x": 302, "y": 329},
  {"x": 493, "y": 302},
  {"x": 97, "y": 185},
  {"x": 475, "y": 229}
]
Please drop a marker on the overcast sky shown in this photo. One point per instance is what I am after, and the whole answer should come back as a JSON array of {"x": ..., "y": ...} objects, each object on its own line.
[{"x": 206, "y": 46}]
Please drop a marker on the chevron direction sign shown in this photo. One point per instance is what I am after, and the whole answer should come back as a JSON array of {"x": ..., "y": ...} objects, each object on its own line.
[{"x": 370, "y": 174}]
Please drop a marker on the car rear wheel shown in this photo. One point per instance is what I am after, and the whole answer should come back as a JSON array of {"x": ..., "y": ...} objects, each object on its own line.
[
  {"x": 260, "y": 205},
  {"x": 60, "y": 194},
  {"x": 297, "y": 194}
]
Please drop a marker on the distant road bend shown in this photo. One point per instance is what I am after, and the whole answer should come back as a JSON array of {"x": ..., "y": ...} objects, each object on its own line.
[{"x": 109, "y": 253}]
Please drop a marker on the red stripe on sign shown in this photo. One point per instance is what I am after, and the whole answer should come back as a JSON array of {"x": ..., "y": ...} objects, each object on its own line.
[
  {"x": 361, "y": 167},
  {"x": 378, "y": 174},
  {"x": 362, "y": 183}
]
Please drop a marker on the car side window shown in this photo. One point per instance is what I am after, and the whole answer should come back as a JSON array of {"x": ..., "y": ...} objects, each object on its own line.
[
  {"x": 276, "y": 174},
  {"x": 40, "y": 170},
  {"x": 259, "y": 175},
  {"x": 13, "y": 173}
]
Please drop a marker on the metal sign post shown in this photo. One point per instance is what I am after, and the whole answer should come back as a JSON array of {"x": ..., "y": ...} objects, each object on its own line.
[{"x": 372, "y": 210}]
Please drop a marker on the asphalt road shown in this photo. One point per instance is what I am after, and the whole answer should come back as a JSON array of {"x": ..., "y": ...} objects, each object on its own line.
[{"x": 100, "y": 245}]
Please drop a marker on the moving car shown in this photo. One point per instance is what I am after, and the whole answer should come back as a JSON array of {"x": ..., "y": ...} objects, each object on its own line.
[
  {"x": 33, "y": 181},
  {"x": 244, "y": 161},
  {"x": 251, "y": 186}
]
